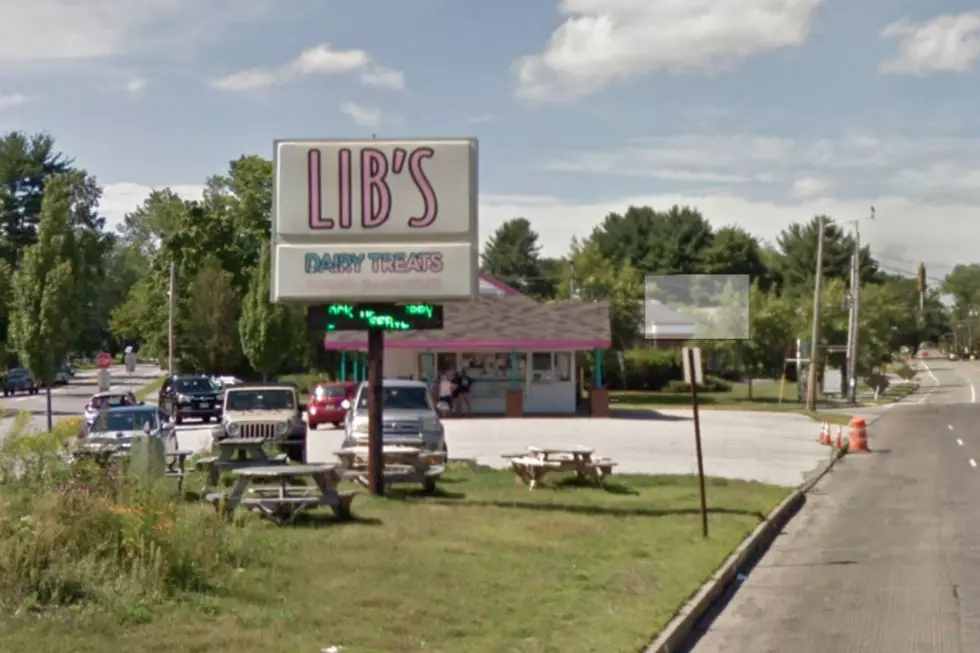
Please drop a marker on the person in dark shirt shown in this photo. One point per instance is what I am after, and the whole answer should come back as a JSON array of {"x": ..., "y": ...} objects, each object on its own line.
[{"x": 461, "y": 392}]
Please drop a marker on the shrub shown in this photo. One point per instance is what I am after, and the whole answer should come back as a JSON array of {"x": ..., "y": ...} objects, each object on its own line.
[
  {"x": 75, "y": 533},
  {"x": 711, "y": 384}
]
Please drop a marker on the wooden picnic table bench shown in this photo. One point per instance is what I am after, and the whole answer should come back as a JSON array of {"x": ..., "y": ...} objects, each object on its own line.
[
  {"x": 235, "y": 454},
  {"x": 176, "y": 466},
  {"x": 402, "y": 464},
  {"x": 283, "y": 500},
  {"x": 538, "y": 461}
]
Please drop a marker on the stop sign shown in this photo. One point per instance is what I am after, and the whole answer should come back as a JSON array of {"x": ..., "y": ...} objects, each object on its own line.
[
  {"x": 925, "y": 354},
  {"x": 104, "y": 360}
]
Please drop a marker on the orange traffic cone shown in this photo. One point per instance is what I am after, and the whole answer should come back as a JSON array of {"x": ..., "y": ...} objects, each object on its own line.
[
  {"x": 839, "y": 440},
  {"x": 859, "y": 435},
  {"x": 825, "y": 433}
]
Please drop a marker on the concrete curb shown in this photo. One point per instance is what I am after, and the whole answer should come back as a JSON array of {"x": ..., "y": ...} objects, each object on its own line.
[{"x": 676, "y": 632}]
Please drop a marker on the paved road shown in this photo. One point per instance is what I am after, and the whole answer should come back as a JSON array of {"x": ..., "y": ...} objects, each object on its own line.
[
  {"x": 885, "y": 555},
  {"x": 777, "y": 448},
  {"x": 70, "y": 400}
]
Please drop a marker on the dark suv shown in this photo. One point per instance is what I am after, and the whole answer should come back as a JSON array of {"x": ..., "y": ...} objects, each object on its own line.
[{"x": 193, "y": 396}]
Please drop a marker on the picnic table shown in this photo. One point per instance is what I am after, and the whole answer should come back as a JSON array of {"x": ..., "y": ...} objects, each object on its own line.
[
  {"x": 177, "y": 466},
  {"x": 235, "y": 454},
  {"x": 532, "y": 465},
  {"x": 402, "y": 464},
  {"x": 285, "y": 498}
]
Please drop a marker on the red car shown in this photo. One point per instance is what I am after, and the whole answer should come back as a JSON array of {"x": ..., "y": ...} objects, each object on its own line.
[{"x": 326, "y": 403}]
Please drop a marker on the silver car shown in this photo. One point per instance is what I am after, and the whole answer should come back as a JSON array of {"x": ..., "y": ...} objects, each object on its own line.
[
  {"x": 118, "y": 426},
  {"x": 410, "y": 418}
]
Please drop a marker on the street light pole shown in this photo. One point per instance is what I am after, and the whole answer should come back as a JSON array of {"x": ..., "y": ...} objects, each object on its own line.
[{"x": 854, "y": 323}]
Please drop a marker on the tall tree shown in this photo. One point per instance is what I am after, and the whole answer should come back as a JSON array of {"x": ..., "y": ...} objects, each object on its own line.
[
  {"x": 668, "y": 242},
  {"x": 44, "y": 306},
  {"x": 511, "y": 254},
  {"x": 963, "y": 283},
  {"x": 796, "y": 265},
  {"x": 599, "y": 279},
  {"x": 266, "y": 329},
  {"x": 734, "y": 251},
  {"x": 209, "y": 319},
  {"x": 26, "y": 165}
]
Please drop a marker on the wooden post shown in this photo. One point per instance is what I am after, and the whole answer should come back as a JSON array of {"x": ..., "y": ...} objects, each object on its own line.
[
  {"x": 697, "y": 442},
  {"x": 375, "y": 376},
  {"x": 343, "y": 366}
]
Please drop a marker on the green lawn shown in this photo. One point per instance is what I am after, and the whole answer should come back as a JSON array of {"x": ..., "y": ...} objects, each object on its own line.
[
  {"x": 765, "y": 397},
  {"x": 484, "y": 566}
]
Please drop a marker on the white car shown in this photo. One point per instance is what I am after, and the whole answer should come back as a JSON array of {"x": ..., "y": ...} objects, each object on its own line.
[{"x": 105, "y": 400}]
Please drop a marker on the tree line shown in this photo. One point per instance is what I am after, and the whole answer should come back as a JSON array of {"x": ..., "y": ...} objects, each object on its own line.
[{"x": 69, "y": 284}]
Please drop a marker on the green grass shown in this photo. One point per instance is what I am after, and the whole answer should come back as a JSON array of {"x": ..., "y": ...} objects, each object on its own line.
[
  {"x": 765, "y": 398},
  {"x": 151, "y": 389},
  {"x": 483, "y": 566}
]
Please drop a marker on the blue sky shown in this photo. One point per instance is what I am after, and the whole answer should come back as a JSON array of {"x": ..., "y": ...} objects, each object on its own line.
[{"x": 759, "y": 112}]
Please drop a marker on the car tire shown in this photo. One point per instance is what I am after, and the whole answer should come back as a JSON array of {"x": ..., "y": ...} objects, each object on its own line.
[
  {"x": 336, "y": 425},
  {"x": 177, "y": 417},
  {"x": 206, "y": 419},
  {"x": 312, "y": 425}
]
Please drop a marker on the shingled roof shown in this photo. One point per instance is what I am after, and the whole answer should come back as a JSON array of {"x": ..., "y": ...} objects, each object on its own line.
[{"x": 500, "y": 323}]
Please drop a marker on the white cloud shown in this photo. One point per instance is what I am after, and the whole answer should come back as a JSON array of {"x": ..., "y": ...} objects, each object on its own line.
[
  {"x": 863, "y": 163},
  {"x": 363, "y": 116},
  {"x": 8, "y": 100},
  {"x": 603, "y": 42},
  {"x": 125, "y": 197},
  {"x": 318, "y": 60},
  {"x": 51, "y": 30},
  {"x": 381, "y": 77},
  {"x": 944, "y": 44},
  {"x": 136, "y": 85},
  {"x": 811, "y": 187}
]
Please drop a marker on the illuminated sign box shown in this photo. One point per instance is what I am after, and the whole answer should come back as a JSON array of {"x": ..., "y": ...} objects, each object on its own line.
[{"x": 365, "y": 317}]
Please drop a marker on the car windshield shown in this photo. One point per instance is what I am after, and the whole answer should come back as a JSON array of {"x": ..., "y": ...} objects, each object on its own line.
[
  {"x": 331, "y": 391},
  {"x": 19, "y": 371},
  {"x": 401, "y": 398},
  {"x": 127, "y": 420},
  {"x": 194, "y": 385},
  {"x": 111, "y": 401},
  {"x": 264, "y": 399}
]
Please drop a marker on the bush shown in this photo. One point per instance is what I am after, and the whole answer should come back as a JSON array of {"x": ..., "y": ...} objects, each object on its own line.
[
  {"x": 711, "y": 384},
  {"x": 75, "y": 534},
  {"x": 649, "y": 368}
]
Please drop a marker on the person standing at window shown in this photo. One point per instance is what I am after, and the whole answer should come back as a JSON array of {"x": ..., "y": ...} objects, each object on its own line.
[
  {"x": 446, "y": 390},
  {"x": 462, "y": 384}
]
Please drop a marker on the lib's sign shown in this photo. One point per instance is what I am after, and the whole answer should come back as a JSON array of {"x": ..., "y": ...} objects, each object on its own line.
[{"x": 375, "y": 220}]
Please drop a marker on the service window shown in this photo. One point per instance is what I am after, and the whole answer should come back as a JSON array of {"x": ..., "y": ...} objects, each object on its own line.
[
  {"x": 542, "y": 370},
  {"x": 563, "y": 366}
]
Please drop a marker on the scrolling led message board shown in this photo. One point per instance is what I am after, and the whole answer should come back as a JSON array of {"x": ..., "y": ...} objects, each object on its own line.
[{"x": 364, "y": 317}]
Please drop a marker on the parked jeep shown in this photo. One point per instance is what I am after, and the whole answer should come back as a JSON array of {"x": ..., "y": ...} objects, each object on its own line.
[{"x": 269, "y": 412}]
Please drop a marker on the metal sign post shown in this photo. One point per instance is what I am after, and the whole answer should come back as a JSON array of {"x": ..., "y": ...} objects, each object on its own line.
[
  {"x": 693, "y": 375},
  {"x": 376, "y": 359}
]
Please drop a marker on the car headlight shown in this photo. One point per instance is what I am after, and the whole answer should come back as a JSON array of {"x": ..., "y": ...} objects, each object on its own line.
[
  {"x": 429, "y": 425},
  {"x": 232, "y": 428},
  {"x": 183, "y": 399},
  {"x": 282, "y": 428},
  {"x": 360, "y": 427}
]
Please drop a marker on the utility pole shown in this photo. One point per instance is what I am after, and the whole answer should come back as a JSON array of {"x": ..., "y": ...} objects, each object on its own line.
[
  {"x": 856, "y": 312},
  {"x": 811, "y": 387},
  {"x": 171, "y": 304},
  {"x": 854, "y": 281},
  {"x": 921, "y": 286}
]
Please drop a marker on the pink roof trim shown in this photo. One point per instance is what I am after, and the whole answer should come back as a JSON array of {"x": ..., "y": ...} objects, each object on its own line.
[
  {"x": 474, "y": 345},
  {"x": 498, "y": 284}
]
